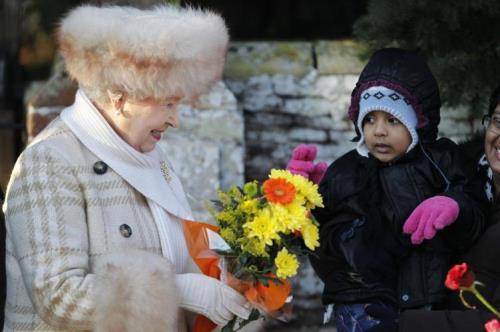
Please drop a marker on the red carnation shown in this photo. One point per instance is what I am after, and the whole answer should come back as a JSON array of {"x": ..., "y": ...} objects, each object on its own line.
[
  {"x": 492, "y": 325},
  {"x": 459, "y": 276}
]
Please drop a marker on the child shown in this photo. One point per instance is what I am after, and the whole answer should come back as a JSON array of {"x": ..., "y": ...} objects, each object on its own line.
[{"x": 399, "y": 180}]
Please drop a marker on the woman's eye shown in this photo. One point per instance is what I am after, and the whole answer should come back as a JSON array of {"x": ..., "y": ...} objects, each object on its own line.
[{"x": 496, "y": 121}]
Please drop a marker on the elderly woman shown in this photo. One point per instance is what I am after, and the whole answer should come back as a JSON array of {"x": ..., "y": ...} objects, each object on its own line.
[{"x": 93, "y": 210}]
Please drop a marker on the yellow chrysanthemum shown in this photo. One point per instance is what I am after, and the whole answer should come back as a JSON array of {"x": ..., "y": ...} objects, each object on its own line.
[
  {"x": 289, "y": 218},
  {"x": 226, "y": 217},
  {"x": 286, "y": 264},
  {"x": 228, "y": 234},
  {"x": 310, "y": 234},
  {"x": 224, "y": 198},
  {"x": 311, "y": 194},
  {"x": 254, "y": 246},
  {"x": 249, "y": 206},
  {"x": 299, "y": 214},
  {"x": 263, "y": 226}
]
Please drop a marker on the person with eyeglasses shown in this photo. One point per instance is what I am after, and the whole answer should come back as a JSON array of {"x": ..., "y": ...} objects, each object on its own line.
[{"x": 481, "y": 155}]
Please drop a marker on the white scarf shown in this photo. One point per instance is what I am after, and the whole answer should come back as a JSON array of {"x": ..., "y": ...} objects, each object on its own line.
[{"x": 142, "y": 171}]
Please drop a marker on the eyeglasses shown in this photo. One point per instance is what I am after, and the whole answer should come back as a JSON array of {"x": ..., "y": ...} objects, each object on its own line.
[{"x": 492, "y": 123}]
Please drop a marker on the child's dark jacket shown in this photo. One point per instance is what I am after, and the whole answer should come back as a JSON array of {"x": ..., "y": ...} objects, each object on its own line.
[{"x": 364, "y": 253}]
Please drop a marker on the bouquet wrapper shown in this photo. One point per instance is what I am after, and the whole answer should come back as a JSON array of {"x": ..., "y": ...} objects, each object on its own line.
[{"x": 269, "y": 298}]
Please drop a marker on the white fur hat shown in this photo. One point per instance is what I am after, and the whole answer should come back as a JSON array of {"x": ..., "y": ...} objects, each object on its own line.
[{"x": 161, "y": 52}]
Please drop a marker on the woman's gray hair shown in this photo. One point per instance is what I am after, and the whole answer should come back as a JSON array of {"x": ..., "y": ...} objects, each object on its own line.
[{"x": 99, "y": 96}]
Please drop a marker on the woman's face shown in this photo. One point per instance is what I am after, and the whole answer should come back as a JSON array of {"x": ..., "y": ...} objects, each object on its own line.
[
  {"x": 492, "y": 141},
  {"x": 386, "y": 137},
  {"x": 141, "y": 123}
]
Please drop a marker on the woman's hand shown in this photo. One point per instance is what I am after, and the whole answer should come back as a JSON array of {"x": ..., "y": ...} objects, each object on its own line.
[
  {"x": 302, "y": 163},
  {"x": 211, "y": 298},
  {"x": 431, "y": 215}
]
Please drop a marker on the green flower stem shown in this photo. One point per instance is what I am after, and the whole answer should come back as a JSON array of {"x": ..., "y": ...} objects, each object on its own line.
[
  {"x": 464, "y": 302},
  {"x": 483, "y": 301}
]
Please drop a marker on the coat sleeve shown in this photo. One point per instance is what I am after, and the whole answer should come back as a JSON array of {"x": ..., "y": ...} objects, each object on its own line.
[
  {"x": 45, "y": 216},
  {"x": 471, "y": 220}
]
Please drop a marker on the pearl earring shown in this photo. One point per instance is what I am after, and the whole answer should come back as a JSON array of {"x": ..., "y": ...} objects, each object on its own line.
[{"x": 115, "y": 98}]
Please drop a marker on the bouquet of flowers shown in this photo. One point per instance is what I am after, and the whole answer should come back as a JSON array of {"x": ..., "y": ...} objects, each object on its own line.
[
  {"x": 462, "y": 279},
  {"x": 261, "y": 231}
]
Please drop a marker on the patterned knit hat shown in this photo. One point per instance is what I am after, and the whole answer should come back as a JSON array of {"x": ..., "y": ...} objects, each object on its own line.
[{"x": 380, "y": 98}]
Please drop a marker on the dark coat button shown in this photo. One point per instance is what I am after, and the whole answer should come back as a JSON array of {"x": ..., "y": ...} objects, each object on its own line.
[
  {"x": 126, "y": 230},
  {"x": 100, "y": 167}
]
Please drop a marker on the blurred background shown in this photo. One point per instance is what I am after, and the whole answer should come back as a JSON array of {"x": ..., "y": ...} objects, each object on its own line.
[{"x": 290, "y": 69}]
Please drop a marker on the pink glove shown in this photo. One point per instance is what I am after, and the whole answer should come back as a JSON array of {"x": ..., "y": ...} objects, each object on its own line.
[
  {"x": 302, "y": 163},
  {"x": 431, "y": 215},
  {"x": 318, "y": 172}
]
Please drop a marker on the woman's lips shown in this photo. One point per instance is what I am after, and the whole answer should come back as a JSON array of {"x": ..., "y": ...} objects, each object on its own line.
[
  {"x": 156, "y": 134},
  {"x": 497, "y": 153}
]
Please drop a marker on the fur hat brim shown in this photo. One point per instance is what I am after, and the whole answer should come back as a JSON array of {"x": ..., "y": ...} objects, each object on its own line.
[{"x": 157, "y": 53}]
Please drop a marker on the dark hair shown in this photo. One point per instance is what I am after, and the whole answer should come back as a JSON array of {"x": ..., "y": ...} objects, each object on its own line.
[{"x": 494, "y": 100}]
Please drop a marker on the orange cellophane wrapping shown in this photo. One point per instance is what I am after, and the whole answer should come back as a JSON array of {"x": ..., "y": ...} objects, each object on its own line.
[{"x": 269, "y": 298}]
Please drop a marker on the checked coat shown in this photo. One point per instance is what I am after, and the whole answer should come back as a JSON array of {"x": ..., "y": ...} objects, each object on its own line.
[{"x": 66, "y": 214}]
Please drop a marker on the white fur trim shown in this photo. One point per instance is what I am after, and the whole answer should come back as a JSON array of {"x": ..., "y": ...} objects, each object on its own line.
[
  {"x": 161, "y": 52},
  {"x": 136, "y": 292}
]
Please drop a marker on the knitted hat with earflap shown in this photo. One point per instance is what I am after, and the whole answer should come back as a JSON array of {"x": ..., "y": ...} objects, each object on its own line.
[
  {"x": 407, "y": 73},
  {"x": 379, "y": 98}
]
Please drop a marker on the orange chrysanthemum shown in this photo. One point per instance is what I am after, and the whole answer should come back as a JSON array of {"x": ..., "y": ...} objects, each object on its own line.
[{"x": 279, "y": 191}]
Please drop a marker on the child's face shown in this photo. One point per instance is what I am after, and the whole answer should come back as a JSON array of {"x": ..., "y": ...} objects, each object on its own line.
[{"x": 386, "y": 137}]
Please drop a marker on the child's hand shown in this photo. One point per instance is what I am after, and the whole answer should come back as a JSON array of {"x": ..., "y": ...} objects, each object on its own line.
[
  {"x": 431, "y": 215},
  {"x": 302, "y": 163}
]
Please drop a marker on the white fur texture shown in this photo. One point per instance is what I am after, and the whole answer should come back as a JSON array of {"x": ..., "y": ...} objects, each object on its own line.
[
  {"x": 135, "y": 292},
  {"x": 161, "y": 52}
]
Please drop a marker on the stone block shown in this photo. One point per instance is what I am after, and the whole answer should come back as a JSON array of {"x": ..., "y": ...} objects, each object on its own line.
[
  {"x": 308, "y": 106},
  {"x": 457, "y": 112},
  {"x": 219, "y": 98},
  {"x": 308, "y": 135},
  {"x": 453, "y": 127},
  {"x": 232, "y": 167},
  {"x": 339, "y": 57},
  {"x": 256, "y": 121},
  {"x": 38, "y": 118},
  {"x": 212, "y": 124},
  {"x": 197, "y": 163},
  {"x": 291, "y": 86},
  {"x": 334, "y": 86},
  {"x": 247, "y": 59}
]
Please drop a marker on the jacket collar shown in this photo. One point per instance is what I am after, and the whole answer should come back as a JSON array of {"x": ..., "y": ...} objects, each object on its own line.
[{"x": 141, "y": 170}]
